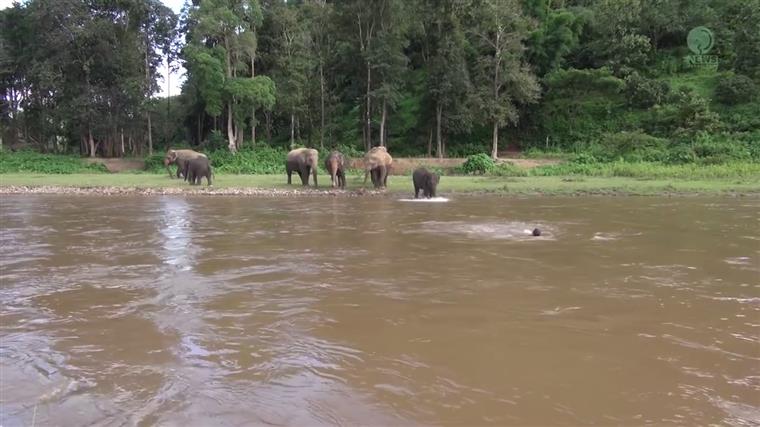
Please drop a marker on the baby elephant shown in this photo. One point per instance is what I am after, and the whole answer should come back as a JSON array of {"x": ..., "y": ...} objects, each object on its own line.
[
  {"x": 426, "y": 181},
  {"x": 335, "y": 164},
  {"x": 197, "y": 169}
]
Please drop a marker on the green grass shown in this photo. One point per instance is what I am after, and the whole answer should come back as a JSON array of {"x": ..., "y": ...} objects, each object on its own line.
[{"x": 403, "y": 184}]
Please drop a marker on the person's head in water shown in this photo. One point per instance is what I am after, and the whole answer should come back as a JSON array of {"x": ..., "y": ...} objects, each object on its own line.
[{"x": 536, "y": 232}]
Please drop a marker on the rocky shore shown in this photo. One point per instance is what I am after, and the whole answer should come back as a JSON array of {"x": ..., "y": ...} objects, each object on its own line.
[{"x": 192, "y": 191}]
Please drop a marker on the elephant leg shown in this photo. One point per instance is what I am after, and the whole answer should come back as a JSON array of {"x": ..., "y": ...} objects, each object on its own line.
[
  {"x": 289, "y": 171},
  {"x": 304, "y": 172},
  {"x": 366, "y": 174},
  {"x": 314, "y": 173},
  {"x": 416, "y": 191},
  {"x": 386, "y": 172},
  {"x": 382, "y": 176}
]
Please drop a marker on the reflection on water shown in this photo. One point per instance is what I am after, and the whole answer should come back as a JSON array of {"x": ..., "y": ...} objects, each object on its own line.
[{"x": 207, "y": 311}]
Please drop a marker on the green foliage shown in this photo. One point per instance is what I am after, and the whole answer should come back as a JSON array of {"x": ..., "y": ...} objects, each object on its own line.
[
  {"x": 643, "y": 92},
  {"x": 155, "y": 163},
  {"x": 736, "y": 89},
  {"x": 633, "y": 146},
  {"x": 650, "y": 170},
  {"x": 573, "y": 81},
  {"x": 508, "y": 169},
  {"x": 260, "y": 160},
  {"x": 30, "y": 161},
  {"x": 478, "y": 164}
]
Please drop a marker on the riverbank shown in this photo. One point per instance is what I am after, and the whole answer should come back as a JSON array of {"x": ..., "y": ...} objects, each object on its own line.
[{"x": 274, "y": 185}]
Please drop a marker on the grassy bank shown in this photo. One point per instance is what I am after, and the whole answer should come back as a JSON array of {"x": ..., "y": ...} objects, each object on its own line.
[{"x": 403, "y": 184}]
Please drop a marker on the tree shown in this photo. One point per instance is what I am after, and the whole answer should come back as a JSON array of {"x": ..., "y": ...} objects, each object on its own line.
[
  {"x": 449, "y": 85},
  {"x": 503, "y": 79}
]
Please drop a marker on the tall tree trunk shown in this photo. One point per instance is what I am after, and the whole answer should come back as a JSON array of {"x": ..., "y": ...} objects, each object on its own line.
[
  {"x": 168, "y": 101},
  {"x": 322, "y": 105},
  {"x": 239, "y": 136},
  {"x": 497, "y": 62},
  {"x": 147, "y": 85},
  {"x": 438, "y": 136},
  {"x": 200, "y": 128},
  {"x": 91, "y": 141},
  {"x": 368, "y": 111},
  {"x": 268, "y": 117},
  {"x": 230, "y": 130},
  {"x": 123, "y": 151},
  {"x": 495, "y": 148},
  {"x": 292, "y": 129},
  {"x": 253, "y": 110},
  {"x": 231, "y": 139},
  {"x": 430, "y": 143},
  {"x": 382, "y": 124}
]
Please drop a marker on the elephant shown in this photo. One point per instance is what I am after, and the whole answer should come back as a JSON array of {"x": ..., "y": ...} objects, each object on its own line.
[
  {"x": 180, "y": 158},
  {"x": 377, "y": 162},
  {"x": 426, "y": 181},
  {"x": 198, "y": 168},
  {"x": 303, "y": 161},
  {"x": 335, "y": 164}
]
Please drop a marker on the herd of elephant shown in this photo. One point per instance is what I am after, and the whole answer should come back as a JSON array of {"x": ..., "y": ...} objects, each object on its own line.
[{"x": 194, "y": 166}]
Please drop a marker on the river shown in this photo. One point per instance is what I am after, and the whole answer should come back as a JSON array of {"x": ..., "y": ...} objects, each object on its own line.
[{"x": 197, "y": 311}]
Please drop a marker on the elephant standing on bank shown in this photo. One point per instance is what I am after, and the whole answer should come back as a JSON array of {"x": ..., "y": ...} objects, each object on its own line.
[
  {"x": 377, "y": 162},
  {"x": 304, "y": 161},
  {"x": 335, "y": 164},
  {"x": 180, "y": 158},
  {"x": 198, "y": 168}
]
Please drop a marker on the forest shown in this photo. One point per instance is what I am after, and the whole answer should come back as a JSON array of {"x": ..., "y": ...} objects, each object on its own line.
[{"x": 671, "y": 81}]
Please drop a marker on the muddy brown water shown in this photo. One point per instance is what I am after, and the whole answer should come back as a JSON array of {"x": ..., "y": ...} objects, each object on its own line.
[{"x": 186, "y": 311}]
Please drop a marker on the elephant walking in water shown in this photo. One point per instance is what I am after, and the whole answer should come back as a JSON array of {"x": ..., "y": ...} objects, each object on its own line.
[
  {"x": 304, "y": 161},
  {"x": 426, "y": 181},
  {"x": 335, "y": 164},
  {"x": 377, "y": 163}
]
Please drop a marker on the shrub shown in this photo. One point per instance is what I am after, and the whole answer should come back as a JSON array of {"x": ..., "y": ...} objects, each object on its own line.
[
  {"x": 508, "y": 169},
  {"x": 478, "y": 164},
  {"x": 582, "y": 81},
  {"x": 584, "y": 159},
  {"x": 735, "y": 89},
  {"x": 31, "y": 161},
  {"x": 713, "y": 149},
  {"x": 634, "y": 146},
  {"x": 644, "y": 92},
  {"x": 467, "y": 149},
  {"x": 681, "y": 154}
]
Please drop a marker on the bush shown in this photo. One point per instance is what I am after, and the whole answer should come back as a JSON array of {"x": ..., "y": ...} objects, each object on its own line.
[
  {"x": 259, "y": 160},
  {"x": 680, "y": 155},
  {"x": 508, "y": 169},
  {"x": 478, "y": 164},
  {"x": 155, "y": 163},
  {"x": 31, "y": 161},
  {"x": 634, "y": 146},
  {"x": 584, "y": 159},
  {"x": 644, "y": 92},
  {"x": 735, "y": 89},
  {"x": 713, "y": 149},
  {"x": 468, "y": 149},
  {"x": 582, "y": 81}
]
